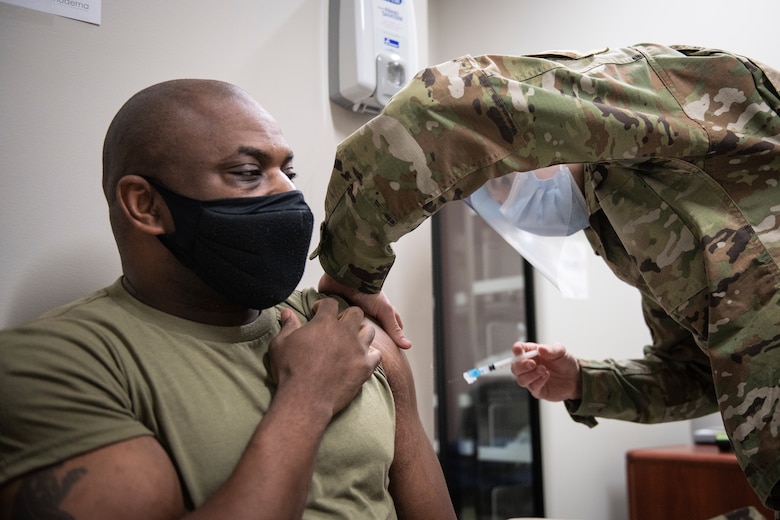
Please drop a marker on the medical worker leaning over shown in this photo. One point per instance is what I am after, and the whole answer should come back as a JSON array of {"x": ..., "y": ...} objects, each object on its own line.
[{"x": 680, "y": 180}]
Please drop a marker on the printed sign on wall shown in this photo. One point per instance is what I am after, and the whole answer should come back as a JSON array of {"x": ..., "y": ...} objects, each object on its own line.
[{"x": 82, "y": 10}]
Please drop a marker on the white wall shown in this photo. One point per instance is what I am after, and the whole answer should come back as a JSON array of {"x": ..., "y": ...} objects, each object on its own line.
[
  {"x": 584, "y": 470},
  {"x": 61, "y": 82}
]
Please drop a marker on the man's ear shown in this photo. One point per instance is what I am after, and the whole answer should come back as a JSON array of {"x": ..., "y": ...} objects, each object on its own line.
[{"x": 142, "y": 206}]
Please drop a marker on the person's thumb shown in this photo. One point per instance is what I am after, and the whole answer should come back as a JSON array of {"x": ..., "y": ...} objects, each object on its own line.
[
  {"x": 290, "y": 323},
  {"x": 391, "y": 322}
]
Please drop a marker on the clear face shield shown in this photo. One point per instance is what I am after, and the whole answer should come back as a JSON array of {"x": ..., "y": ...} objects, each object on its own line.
[{"x": 537, "y": 212}]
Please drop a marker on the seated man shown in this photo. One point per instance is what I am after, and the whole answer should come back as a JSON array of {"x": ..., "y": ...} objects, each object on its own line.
[{"x": 200, "y": 381}]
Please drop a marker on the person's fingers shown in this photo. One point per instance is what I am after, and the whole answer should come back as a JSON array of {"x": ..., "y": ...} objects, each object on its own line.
[
  {"x": 536, "y": 387},
  {"x": 391, "y": 322},
  {"x": 325, "y": 306},
  {"x": 352, "y": 315},
  {"x": 290, "y": 323},
  {"x": 374, "y": 356},
  {"x": 375, "y": 305},
  {"x": 526, "y": 378},
  {"x": 366, "y": 334}
]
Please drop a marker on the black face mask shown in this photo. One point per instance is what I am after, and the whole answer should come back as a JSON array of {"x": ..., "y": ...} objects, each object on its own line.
[{"x": 252, "y": 250}]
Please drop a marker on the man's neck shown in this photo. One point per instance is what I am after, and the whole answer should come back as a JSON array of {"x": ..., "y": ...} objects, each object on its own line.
[{"x": 207, "y": 309}]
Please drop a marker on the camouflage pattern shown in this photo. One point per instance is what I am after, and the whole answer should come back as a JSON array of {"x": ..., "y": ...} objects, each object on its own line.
[
  {"x": 681, "y": 153},
  {"x": 746, "y": 513}
]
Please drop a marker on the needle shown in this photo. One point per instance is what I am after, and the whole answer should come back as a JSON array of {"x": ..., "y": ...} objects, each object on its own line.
[{"x": 471, "y": 375}]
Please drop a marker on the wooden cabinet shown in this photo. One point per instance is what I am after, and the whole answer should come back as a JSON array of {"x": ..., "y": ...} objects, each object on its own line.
[{"x": 694, "y": 482}]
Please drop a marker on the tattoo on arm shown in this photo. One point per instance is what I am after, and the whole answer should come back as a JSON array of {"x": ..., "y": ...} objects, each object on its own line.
[{"x": 41, "y": 494}]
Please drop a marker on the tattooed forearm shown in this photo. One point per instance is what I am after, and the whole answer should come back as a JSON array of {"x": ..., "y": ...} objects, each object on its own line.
[{"x": 41, "y": 494}]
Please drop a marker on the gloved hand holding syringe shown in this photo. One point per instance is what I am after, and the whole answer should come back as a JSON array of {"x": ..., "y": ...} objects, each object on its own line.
[{"x": 471, "y": 375}]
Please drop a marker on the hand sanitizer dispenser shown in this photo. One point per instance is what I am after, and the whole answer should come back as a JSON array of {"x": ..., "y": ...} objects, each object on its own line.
[{"x": 372, "y": 51}]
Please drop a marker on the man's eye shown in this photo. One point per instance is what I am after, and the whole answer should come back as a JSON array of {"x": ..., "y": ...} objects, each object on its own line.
[
  {"x": 247, "y": 172},
  {"x": 256, "y": 172}
]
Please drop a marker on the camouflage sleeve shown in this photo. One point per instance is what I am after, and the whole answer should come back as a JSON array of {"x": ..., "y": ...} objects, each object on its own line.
[
  {"x": 465, "y": 121},
  {"x": 672, "y": 382}
]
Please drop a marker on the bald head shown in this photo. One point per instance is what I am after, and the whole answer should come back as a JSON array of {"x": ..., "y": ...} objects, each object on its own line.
[
  {"x": 197, "y": 140},
  {"x": 144, "y": 136}
]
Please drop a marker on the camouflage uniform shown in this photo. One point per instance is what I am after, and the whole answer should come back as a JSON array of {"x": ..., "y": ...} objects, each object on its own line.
[{"x": 681, "y": 153}]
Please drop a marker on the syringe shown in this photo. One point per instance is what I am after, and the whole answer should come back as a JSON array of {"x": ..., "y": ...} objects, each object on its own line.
[{"x": 471, "y": 375}]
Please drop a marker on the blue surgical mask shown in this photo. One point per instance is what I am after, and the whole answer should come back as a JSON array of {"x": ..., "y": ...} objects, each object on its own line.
[{"x": 546, "y": 207}]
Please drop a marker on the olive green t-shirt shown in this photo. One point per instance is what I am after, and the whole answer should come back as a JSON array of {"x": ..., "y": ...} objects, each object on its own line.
[{"x": 108, "y": 368}]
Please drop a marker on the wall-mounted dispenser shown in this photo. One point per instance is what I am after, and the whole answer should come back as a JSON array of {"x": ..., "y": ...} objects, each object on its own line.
[{"x": 372, "y": 46}]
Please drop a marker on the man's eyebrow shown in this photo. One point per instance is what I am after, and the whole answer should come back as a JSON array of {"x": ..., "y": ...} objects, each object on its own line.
[{"x": 259, "y": 154}]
